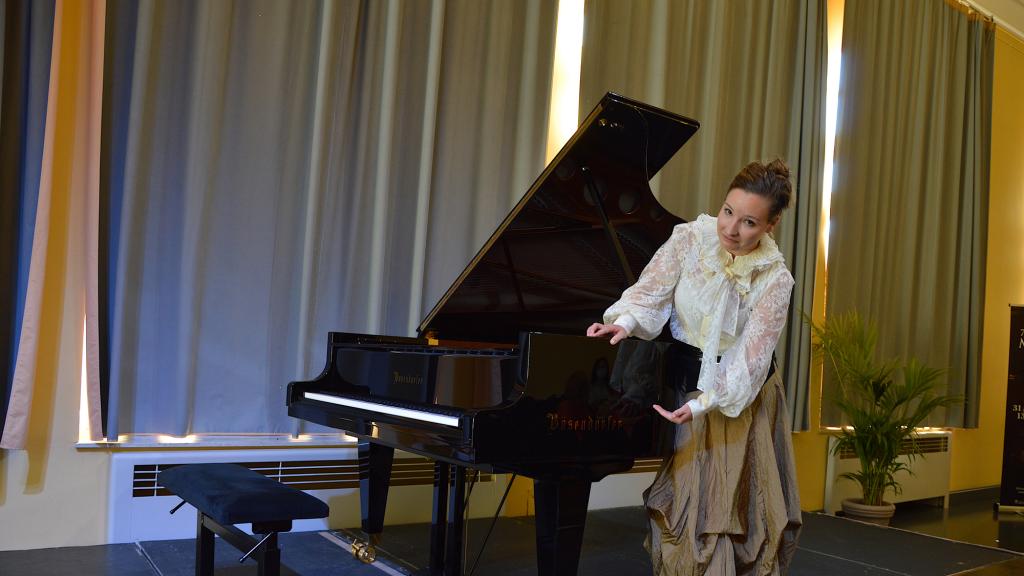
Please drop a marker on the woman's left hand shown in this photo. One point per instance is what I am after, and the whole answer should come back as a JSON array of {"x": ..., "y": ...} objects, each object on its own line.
[
  {"x": 681, "y": 415},
  {"x": 616, "y": 332}
]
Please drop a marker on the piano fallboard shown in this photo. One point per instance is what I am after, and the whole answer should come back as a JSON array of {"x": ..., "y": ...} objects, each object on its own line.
[{"x": 553, "y": 400}]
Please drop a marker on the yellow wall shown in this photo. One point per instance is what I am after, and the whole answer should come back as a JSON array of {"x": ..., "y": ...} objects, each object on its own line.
[
  {"x": 810, "y": 448},
  {"x": 50, "y": 493},
  {"x": 977, "y": 454}
]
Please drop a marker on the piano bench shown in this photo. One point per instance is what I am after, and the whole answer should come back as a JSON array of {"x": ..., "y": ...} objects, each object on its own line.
[{"x": 227, "y": 494}]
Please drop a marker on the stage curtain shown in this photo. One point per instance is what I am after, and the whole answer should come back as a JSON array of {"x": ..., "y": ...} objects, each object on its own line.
[
  {"x": 277, "y": 170},
  {"x": 752, "y": 72},
  {"x": 27, "y": 35},
  {"x": 910, "y": 199},
  {"x": 52, "y": 71}
]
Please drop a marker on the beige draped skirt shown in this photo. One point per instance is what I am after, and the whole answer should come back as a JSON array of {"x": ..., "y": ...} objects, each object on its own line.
[{"x": 726, "y": 502}]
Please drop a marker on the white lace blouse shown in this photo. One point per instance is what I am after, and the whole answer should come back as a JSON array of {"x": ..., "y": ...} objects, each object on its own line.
[{"x": 729, "y": 307}]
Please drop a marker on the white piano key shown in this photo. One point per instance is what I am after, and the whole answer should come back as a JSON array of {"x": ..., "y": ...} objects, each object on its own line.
[{"x": 385, "y": 409}]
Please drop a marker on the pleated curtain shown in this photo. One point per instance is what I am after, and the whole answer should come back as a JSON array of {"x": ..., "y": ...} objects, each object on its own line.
[
  {"x": 277, "y": 170},
  {"x": 910, "y": 200},
  {"x": 52, "y": 71},
  {"x": 752, "y": 72},
  {"x": 27, "y": 35}
]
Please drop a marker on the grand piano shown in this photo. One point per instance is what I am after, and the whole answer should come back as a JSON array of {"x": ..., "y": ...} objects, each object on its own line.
[{"x": 501, "y": 378}]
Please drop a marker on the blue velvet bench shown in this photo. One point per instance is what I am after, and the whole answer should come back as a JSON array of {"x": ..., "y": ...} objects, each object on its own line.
[{"x": 228, "y": 494}]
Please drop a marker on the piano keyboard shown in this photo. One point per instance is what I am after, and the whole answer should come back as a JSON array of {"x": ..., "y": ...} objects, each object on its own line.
[{"x": 421, "y": 415}]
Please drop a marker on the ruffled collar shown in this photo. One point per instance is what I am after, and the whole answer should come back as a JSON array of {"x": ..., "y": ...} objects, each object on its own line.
[{"x": 716, "y": 259}]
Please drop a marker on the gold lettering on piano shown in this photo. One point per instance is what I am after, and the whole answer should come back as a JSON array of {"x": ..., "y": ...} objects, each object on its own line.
[
  {"x": 414, "y": 379},
  {"x": 558, "y": 423}
]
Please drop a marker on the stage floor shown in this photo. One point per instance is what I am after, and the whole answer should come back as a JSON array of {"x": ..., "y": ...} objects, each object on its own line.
[{"x": 613, "y": 546}]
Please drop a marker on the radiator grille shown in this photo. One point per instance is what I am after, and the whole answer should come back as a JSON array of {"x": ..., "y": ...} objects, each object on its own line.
[
  {"x": 925, "y": 445},
  {"x": 309, "y": 474}
]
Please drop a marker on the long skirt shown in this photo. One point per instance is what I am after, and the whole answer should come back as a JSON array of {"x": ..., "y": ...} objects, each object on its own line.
[{"x": 726, "y": 502}]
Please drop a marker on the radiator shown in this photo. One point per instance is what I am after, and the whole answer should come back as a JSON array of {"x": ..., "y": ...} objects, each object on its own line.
[
  {"x": 930, "y": 478},
  {"x": 139, "y": 507}
]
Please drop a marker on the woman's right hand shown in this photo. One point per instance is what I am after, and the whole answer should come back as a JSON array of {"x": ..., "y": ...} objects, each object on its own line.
[
  {"x": 681, "y": 415},
  {"x": 597, "y": 330}
]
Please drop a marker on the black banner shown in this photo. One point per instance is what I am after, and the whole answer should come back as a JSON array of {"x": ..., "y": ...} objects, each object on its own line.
[{"x": 1011, "y": 492}]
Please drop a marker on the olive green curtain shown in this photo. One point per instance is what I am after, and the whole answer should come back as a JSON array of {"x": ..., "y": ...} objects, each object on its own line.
[
  {"x": 910, "y": 199},
  {"x": 752, "y": 72}
]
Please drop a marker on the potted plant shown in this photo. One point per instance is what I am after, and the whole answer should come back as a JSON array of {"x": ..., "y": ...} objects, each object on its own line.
[{"x": 883, "y": 402}]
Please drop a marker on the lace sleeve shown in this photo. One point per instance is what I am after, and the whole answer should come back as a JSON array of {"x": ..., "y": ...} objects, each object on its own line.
[
  {"x": 744, "y": 366},
  {"x": 645, "y": 306}
]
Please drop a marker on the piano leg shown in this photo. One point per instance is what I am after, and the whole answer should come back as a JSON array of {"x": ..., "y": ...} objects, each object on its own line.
[
  {"x": 374, "y": 476},
  {"x": 456, "y": 517},
  {"x": 561, "y": 507},
  {"x": 439, "y": 517}
]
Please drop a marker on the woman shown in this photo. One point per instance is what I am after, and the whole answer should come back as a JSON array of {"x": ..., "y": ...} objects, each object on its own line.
[{"x": 726, "y": 501}]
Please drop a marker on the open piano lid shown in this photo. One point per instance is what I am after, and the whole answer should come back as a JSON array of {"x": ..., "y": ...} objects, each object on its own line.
[{"x": 559, "y": 259}]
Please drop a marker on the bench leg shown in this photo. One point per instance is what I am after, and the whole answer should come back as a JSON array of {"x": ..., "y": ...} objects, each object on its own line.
[
  {"x": 204, "y": 548},
  {"x": 269, "y": 557}
]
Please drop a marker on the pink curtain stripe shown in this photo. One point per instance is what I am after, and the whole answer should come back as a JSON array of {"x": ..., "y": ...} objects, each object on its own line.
[
  {"x": 16, "y": 425},
  {"x": 95, "y": 111},
  {"x": 81, "y": 122}
]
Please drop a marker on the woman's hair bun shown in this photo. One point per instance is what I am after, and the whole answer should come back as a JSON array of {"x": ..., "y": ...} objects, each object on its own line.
[
  {"x": 771, "y": 180},
  {"x": 779, "y": 168}
]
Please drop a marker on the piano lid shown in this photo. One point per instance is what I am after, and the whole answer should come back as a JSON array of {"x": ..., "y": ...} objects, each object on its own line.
[{"x": 561, "y": 257}]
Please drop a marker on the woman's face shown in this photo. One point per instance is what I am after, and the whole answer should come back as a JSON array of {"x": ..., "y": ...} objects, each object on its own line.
[{"x": 743, "y": 219}]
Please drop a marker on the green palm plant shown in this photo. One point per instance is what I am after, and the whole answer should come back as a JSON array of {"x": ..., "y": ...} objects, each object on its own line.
[{"x": 883, "y": 400}]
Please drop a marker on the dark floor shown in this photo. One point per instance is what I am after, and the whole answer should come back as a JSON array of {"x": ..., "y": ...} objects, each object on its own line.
[
  {"x": 613, "y": 545},
  {"x": 922, "y": 543},
  {"x": 969, "y": 518}
]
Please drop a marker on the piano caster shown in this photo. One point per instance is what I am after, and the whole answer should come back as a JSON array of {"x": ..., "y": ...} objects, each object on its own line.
[{"x": 365, "y": 552}]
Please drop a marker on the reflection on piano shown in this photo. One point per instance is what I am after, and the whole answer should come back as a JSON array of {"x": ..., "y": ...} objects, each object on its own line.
[{"x": 513, "y": 386}]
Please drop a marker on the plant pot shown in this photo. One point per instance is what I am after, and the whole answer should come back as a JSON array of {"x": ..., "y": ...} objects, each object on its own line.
[{"x": 856, "y": 509}]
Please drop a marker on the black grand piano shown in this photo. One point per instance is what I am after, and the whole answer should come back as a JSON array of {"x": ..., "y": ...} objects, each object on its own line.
[{"x": 501, "y": 378}]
